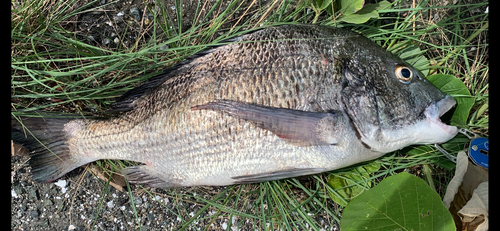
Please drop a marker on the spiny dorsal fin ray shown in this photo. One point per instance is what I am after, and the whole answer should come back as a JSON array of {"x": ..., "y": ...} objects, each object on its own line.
[{"x": 129, "y": 99}]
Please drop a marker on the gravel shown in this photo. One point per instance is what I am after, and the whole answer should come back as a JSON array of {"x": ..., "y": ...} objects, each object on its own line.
[
  {"x": 122, "y": 24},
  {"x": 81, "y": 201}
]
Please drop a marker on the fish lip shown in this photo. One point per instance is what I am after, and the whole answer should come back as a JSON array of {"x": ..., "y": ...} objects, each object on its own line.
[
  {"x": 445, "y": 104},
  {"x": 438, "y": 108}
]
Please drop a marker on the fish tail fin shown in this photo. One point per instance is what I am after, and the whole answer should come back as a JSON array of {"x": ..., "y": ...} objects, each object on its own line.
[{"x": 47, "y": 141}]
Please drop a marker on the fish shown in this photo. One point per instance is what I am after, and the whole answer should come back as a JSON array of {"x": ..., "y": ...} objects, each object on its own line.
[{"x": 279, "y": 102}]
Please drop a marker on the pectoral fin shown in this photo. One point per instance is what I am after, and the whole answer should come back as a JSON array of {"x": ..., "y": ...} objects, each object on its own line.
[
  {"x": 268, "y": 176},
  {"x": 296, "y": 127}
]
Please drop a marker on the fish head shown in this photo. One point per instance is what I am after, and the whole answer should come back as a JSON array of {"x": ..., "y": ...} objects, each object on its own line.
[{"x": 392, "y": 105}]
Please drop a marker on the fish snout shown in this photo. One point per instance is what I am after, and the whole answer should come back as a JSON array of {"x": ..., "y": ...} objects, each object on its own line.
[{"x": 437, "y": 109}]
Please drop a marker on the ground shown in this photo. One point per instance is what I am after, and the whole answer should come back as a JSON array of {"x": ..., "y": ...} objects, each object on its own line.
[
  {"x": 73, "y": 202},
  {"x": 81, "y": 200}
]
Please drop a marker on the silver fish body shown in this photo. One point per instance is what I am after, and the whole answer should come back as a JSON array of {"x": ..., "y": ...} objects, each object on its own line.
[{"x": 275, "y": 103}]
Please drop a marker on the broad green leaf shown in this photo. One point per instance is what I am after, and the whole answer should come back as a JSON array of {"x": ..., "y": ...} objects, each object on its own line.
[
  {"x": 352, "y": 183},
  {"x": 373, "y": 167},
  {"x": 359, "y": 18},
  {"x": 348, "y": 7},
  {"x": 382, "y": 5},
  {"x": 322, "y": 4},
  {"x": 414, "y": 56},
  {"x": 457, "y": 89},
  {"x": 400, "y": 202},
  {"x": 482, "y": 109},
  {"x": 367, "y": 12}
]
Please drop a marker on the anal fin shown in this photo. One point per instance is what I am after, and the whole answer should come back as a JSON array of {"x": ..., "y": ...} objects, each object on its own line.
[
  {"x": 147, "y": 175},
  {"x": 276, "y": 175}
]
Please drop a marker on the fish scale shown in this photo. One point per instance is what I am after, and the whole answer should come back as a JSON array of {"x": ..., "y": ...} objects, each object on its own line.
[{"x": 278, "y": 102}]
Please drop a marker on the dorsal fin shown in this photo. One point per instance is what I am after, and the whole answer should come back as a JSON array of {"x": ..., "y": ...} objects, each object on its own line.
[
  {"x": 128, "y": 100},
  {"x": 125, "y": 102}
]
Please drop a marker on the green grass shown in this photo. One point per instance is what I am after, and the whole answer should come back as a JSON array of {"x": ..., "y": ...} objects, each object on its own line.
[{"x": 55, "y": 69}]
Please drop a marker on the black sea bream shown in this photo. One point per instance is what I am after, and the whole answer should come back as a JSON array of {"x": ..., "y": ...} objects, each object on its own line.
[{"x": 279, "y": 102}]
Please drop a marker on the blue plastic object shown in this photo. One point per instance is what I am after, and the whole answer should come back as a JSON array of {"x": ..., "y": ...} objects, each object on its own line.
[{"x": 478, "y": 151}]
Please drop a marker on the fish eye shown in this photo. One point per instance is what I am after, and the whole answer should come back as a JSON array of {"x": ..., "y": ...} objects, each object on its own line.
[{"x": 403, "y": 73}]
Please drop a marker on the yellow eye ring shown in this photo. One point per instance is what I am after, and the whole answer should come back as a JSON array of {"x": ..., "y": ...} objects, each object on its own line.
[{"x": 403, "y": 73}]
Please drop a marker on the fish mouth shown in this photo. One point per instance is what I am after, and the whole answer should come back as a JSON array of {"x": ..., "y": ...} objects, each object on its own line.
[{"x": 436, "y": 109}]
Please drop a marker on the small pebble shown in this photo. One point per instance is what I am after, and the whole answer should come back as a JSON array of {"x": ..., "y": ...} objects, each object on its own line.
[
  {"x": 62, "y": 183},
  {"x": 33, "y": 214},
  {"x": 134, "y": 11}
]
